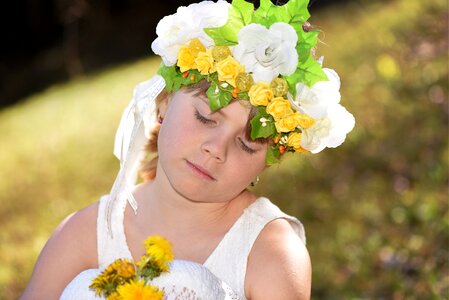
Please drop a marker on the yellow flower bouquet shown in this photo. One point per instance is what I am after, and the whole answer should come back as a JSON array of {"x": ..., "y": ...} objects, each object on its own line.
[{"x": 125, "y": 279}]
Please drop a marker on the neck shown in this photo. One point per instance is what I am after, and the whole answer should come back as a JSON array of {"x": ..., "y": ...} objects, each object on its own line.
[{"x": 173, "y": 211}]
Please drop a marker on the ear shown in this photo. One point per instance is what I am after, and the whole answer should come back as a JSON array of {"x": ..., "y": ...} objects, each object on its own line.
[{"x": 162, "y": 109}]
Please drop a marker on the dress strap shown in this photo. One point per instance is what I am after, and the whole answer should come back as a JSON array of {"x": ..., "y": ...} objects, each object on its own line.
[
  {"x": 229, "y": 259},
  {"x": 111, "y": 246}
]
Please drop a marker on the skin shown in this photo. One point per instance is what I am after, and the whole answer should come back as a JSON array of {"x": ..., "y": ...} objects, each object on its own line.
[{"x": 205, "y": 164}]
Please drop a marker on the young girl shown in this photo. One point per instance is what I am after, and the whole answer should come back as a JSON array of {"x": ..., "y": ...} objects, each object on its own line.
[{"x": 237, "y": 89}]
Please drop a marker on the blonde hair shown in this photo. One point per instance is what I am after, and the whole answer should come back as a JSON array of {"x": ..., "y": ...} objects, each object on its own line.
[{"x": 147, "y": 170}]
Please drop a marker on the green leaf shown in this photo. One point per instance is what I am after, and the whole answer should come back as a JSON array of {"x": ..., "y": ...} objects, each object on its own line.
[
  {"x": 218, "y": 97},
  {"x": 272, "y": 156},
  {"x": 240, "y": 14},
  {"x": 169, "y": 74},
  {"x": 306, "y": 41},
  {"x": 244, "y": 9},
  {"x": 193, "y": 74},
  {"x": 258, "y": 129},
  {"x": 221, "y": 36},
  {"x": 243, "y": 96},
  {"x": 295, "y": 12},
  {"x": 309, "y": 73},
  {"x": 265, "y": 14},
  {"x": 174, "y": 79}
]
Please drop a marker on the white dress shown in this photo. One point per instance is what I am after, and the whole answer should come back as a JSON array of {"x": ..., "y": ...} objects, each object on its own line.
[{"x": 220, "y": 277}]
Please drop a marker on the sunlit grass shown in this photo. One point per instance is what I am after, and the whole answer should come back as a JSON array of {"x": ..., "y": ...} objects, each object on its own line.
[{"x": 56, "y": 157}]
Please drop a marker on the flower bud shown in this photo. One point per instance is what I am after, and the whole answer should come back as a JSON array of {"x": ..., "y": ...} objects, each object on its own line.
[
  {"x": 279, "y": 87},
  {"x": 244, "y": 81},
  {"x": 219, "y": 53}
]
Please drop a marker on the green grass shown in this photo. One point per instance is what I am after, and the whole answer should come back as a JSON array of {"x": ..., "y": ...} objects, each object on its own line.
[{"x": 375, "y": 209}]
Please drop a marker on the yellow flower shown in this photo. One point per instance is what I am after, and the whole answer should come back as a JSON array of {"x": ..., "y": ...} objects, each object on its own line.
[
  {"x": 205, "y": 62},
  {"x": 294, "y": 140},
  {"x": 125, "y": 269},
  {"x": 279, "y": 107},
  {"x": 228, "y": 69},
  {"x": 121, "y": 270},
  {"x": 137, "y": 290},
  {"x": 114, "y": 296},
  {"x": 160, "y": 250},
  {"x": 100, "y": 283},
  {"x": 305, "y": 121},
  {"x": 196, "y": 47},
  {"x": 186, "y": 60},
  {"x": 260, "y": 94},
  {"x": 288, "y": 123},
  {"x": 188, "y": 53}
]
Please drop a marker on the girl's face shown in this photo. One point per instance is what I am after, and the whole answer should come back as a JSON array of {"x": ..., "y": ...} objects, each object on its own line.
[{"x": 205, "y": 155}]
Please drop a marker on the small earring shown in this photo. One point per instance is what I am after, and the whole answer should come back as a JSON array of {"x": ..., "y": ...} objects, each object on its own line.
[
  {"x": 160, "y": 120},
  {"x": 254, "y": 183}
]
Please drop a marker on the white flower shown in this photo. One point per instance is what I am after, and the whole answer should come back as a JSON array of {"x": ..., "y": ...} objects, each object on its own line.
[
  {"x": 267, "y": 52},
  {"x": 186, "y": 24},
  {"x": 316, "y": 100},
  {"x": 329, "y": 131}
]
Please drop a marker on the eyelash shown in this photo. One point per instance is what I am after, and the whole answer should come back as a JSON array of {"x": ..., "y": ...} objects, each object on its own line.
[
  {"x": 204, "y": 120},
  {"x": 246, "y": 148}
]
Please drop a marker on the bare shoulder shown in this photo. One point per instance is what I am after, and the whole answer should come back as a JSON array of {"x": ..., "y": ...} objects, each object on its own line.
[
  {"x": 71, "y": 249},
  {"x": 279, "y": 265}
]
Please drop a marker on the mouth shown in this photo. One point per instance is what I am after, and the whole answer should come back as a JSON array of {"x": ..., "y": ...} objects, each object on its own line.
[{"x": 200, "y": 171}]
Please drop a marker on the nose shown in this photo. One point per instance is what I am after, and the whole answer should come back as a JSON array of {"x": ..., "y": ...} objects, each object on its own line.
[{"x": 216, "y": 148}]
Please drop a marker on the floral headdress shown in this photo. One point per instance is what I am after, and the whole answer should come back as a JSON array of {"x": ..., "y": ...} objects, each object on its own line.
[{"x": 263, "y": 56}]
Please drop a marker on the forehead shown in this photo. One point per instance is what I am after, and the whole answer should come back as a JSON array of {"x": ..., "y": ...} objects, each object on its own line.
[{"x": 237, "y": 113}]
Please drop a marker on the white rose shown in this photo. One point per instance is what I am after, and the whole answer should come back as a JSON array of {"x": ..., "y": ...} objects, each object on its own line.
[
  {"x": 267, "y": 52},
  {"x": 186, "y": 24},
  {"x": 316, "y": 100},
  {"x": 329, "y": 131}
]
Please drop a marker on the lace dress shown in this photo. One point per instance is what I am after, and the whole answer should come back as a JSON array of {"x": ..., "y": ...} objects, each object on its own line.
[{"x": 220, "y": 277}]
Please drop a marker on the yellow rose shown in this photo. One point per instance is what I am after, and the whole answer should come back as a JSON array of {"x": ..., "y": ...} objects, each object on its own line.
[
  {"x": 187, "y": 55},
  {"x": 186, "y": 60},
  {"x": 294, "y": 140},
  {"x": 288, "y": 123},
  {"x": 260, "y": 94},
  {"x": 196, "y": 47},
  {"x": 205, "y": 62},
  {"x": 305, "y": 121},
  {"x": 279, "y": 107},
  {"x": 228, "y": 69}
]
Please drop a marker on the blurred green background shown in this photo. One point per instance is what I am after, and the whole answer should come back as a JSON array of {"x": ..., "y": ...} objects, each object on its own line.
[{"x": 375, "y": 209}]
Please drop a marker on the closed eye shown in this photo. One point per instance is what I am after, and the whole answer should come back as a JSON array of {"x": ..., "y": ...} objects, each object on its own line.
[
  {"x": 242, "y": 144},
  {"x": 202, "y": 119},
  {"x": 246, "y": 148}
]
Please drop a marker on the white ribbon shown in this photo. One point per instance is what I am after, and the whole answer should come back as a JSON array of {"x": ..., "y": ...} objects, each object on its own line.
[{"x": 132, "y": 134}]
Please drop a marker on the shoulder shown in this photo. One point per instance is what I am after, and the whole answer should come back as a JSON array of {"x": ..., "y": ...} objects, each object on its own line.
[
  {"x": 278, "y": 251},
  {"x": 78, "y": 229},
  {"x": 71, "y": 249}
]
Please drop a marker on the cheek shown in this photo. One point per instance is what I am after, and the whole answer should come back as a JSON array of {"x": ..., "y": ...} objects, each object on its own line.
[
  {"x": 247, "y": 167},
  {"x": 175, "y": 133}
]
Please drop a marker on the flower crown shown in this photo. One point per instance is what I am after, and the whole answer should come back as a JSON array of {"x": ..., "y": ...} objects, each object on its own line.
[{"x": 263, "y": 56}]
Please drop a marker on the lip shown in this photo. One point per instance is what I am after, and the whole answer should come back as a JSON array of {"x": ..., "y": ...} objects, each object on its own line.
[{"x": 200, "y": 171}]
